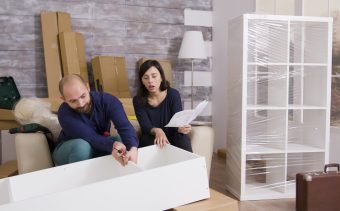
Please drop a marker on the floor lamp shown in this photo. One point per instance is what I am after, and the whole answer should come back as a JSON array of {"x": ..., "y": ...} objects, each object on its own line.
[{"x": 192, "y": 47}]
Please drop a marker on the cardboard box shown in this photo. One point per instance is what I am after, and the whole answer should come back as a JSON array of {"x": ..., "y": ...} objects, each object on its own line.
[
  {"x": 64, "y": 22},
  {"x": 128, "y": 106},
  {"x": 51, "y": 24},
  {"x": 216, "y": 202},
  {"x": 49, "y": 28},
  {"x": 8, "y": 124},
  {"x": 6, "y": 114},
  {"x": 82, "y": 56},
  {"x": 10, "y": 168},
  {"x": 110, "y": 75},
  {"x": 72, "y": 52},
  {"x": 164, "y": 178},
  {"x": 166, "y": 65}
]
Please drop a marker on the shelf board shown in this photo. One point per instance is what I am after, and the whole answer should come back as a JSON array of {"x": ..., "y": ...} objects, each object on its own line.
[
  {"x": 285, "y": 18},
  {"x": 298, "y": 148},
  {"x": 305, "y": 107},
  {"x": 251, "y": 150},
  {"x": 290, "y": 106},
  {"x": 290, "y": 187},
  {"x": 267, "y": 64},
  {"x": 286, "y": 64},
  {"x": 292, "y": 148},
  {"x": 309, "y": 64},
  {"x": 265, "y": 107},
  {"x": 255, "y": 191}
]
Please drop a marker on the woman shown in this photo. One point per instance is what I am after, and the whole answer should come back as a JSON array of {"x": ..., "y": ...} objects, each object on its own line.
[{"x": 156, "y": 102}]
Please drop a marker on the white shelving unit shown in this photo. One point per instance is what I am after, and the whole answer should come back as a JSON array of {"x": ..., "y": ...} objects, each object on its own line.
[{"x": 279, "y": 77}]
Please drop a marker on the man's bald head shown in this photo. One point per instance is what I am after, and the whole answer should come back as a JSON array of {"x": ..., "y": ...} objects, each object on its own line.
[
  {"x": 70, "y": 79},
  {"x": 76, "y": 93}
]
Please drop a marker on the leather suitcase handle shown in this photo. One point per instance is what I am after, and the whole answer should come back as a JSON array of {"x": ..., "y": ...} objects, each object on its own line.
[{"x": 332, "y": 165}]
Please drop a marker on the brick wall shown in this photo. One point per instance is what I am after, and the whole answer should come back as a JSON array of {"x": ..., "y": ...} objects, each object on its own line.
[{"x": 130, "y": 28}]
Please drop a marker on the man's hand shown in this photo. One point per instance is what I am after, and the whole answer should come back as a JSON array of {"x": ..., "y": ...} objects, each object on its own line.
[
  {"x": 122, "y": 156},
  {"x": 131, "y": 155},
  {"x": 185, "y": 129},
  {"x": 119, "y": 152},
  {"x": 160, "y": 137}
]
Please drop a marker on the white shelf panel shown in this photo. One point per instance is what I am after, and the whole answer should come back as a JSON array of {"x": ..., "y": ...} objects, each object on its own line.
[
  {"x": 290, "y": 187},
  {"x": 290, "y": 106},
  {"x": 305, "y": 107},
  {"x": 265, "y": 107},
  {"x": 267, "y": 64},
  {"x": 298, "y": 148},
  {"x": 259, "y": 196},
  {"x": 309, "y": 64},
  {"x": 253, "y": 150},
  {"x": 256, "y": 191},
  {"x": 286, "y": 18},
  {"x": 286, "y": 64}
]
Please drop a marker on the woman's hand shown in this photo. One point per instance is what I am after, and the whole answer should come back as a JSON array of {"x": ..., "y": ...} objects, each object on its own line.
[
  {"x": 185, "y": 129},
  {"x": 160, "y": 138}
]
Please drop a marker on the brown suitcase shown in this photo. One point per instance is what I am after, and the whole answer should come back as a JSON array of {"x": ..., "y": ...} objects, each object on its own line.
[{"x": 319, "y": 191}]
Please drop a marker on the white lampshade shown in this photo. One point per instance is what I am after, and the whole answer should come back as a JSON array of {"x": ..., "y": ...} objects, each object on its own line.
[{"x": 192, "y": 46}]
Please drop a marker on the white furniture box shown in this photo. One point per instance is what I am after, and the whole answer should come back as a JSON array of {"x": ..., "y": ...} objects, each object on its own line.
[
  {"x": 279, "y": 102},
  {"x": 163, "y": 179}
]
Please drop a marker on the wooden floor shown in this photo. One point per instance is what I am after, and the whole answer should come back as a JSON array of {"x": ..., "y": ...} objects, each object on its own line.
[{"x": 217, "y": 182}]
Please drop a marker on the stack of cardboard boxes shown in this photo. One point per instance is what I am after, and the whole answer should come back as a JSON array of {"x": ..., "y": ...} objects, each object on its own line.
[
  {"x": 65, "y": 54},
  {"x": 64, "y": 50}
]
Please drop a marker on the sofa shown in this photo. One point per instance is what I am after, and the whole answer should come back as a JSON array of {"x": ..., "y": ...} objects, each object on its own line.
[{"x": 33, "y": 152}]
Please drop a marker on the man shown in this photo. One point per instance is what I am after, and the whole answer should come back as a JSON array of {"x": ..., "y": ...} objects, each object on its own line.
[{"x": 85, "y": 118}]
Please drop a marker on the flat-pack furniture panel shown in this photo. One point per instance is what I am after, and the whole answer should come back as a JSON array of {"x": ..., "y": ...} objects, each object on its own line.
[{"x": 167, "y": 177}]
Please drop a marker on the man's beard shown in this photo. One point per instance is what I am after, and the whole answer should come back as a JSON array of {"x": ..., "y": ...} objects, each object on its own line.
[{"x": 86, "y": 109}]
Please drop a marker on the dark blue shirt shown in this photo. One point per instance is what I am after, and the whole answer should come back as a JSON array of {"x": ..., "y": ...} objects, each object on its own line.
[
  {"x": 157, "y": 117},
  {"x": 105, "y": 108}
]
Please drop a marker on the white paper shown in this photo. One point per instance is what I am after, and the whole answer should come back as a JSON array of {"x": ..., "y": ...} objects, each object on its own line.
[{"x": 185, "y": 117}]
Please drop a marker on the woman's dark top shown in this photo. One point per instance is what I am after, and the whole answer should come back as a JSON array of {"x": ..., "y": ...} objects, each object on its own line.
[{"x": 150, "y": 117}]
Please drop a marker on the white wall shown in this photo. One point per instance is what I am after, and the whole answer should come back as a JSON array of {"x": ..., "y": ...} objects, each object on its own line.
[
  {"x": 334, "y": 144},
  {"x": 223, "y": 10}
]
